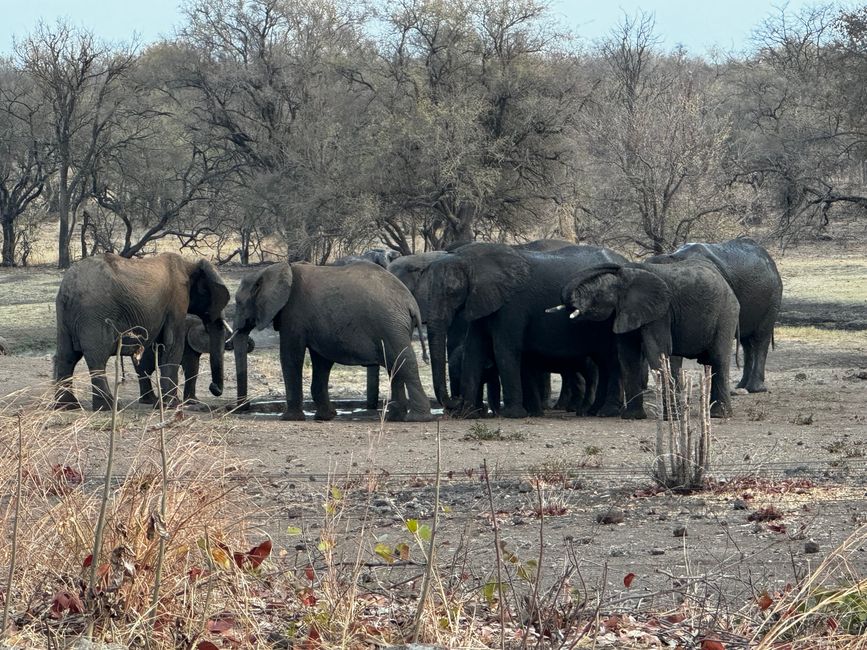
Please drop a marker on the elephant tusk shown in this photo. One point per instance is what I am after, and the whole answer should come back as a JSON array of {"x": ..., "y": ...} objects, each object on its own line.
[
  {"x": 575, "y": 314},
  {"x": 554, "y": 310},
  {"x": 233, "y": 334}
]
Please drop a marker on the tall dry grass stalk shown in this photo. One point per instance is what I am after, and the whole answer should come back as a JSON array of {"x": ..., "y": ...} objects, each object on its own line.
[{"x": 682, "y": 448}]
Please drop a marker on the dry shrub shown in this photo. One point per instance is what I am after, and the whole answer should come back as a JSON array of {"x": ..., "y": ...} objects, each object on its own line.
[{"x": 204, "y": 516}]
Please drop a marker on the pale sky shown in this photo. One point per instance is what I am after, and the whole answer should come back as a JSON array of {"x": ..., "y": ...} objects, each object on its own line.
[{"x": 699, "y": 25}]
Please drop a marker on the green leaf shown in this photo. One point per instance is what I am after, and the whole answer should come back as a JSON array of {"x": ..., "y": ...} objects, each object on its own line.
[
  {"x": 384, "y": 551},
  {"x": 425, "y": 533},
  {"x": 412, "y": 525},
  {"x": 336, "y": 494},
  {"x": 293, "y": 531},
  {"x": 490, "y": 590}
]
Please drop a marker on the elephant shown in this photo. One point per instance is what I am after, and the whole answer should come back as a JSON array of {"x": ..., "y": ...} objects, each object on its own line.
[
  {"x": 102, "y": 297},
  {"x": 196, "y": 343},
  {"x": 355, "y": 315},
  {"x": 544, "y": 245},
  {"x": 379, "y": 256},
  {"x": 753, "y": 276},
  {"x": 409, "y": 269},
  {"x": 685, "y": 309},
  {"x": 503, "y": 294}
]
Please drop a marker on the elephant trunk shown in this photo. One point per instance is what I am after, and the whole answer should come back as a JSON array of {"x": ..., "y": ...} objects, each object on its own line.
[
  {"x": 216, "y": 344},
  {"x": 241, "y": 349},
  {"x": 436, "y": 333}
]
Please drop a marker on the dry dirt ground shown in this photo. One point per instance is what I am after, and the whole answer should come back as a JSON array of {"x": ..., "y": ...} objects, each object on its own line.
[{"x": 801, "y": 448}]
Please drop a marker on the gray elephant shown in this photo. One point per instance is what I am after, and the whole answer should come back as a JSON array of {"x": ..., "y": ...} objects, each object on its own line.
[
  {"x": 503, "y": 294},
  {"x": 196, "y": 343},
  {"x": 685, "y": 309},
  {"x": 753, "y": 276},
  {"x": 379, "y": 256},
  {"x": 102, "y": 297},
  {"x": 355, "y": 315}
]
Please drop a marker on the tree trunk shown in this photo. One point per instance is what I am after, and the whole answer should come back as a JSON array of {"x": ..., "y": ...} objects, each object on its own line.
[
  {"x": 8, "y": 258},
  {"x": 63, "y": 260}
]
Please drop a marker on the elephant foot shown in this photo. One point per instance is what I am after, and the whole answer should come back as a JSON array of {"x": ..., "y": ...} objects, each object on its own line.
[
  {"x": 416, "y": 416},
  {"x": 395, "y": 415},
  {"x": 325, "y": 414},
  {"x": 372, "y": 406},
  {"x": 514, "y": 412},
  {"x": 293, "y": 415},
  {"x": 634, "y": 414},
  {"x": 607, "y": 411},
  {"x": 757, "y": 388},
  {"x": 67, "y": 404},
  {"x": 535, "y": 413},
  {"x": 717, "y": 410}
]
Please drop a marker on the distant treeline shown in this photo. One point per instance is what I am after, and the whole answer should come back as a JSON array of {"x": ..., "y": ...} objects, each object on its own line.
[{"x": 304, "y": 130}]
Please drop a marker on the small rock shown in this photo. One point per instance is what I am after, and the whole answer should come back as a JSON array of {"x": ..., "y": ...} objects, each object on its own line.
[
  {"x": 861, "y": 374},
  {"x": 757, "y": 527},
  {"x": 739, "y": 504},
  {"x": 680, "y": 531},
  {"x": 657, "y": 551},
  {"x": 617, "y": 552},
  {"x": 312, "y": 478},
  {"x": 524, "y": 487},
  {"x": 811, "y": 547},
  {"x": 801, "y": 376},
  {"x": 549, "y": 445},
  {"x": 611, "y": 516}
]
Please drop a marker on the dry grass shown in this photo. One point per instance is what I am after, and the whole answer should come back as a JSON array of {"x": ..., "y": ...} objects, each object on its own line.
[
  {"x": 824, "y": 279},
  {"x": 841, "y": 339}
]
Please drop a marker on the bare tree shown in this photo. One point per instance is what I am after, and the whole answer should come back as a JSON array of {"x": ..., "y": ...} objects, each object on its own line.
[
  {"x": 24, "y": 154},
  {"x": 78, "y": 79}
]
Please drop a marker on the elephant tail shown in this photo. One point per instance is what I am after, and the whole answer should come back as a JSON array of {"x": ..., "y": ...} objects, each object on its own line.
[
  {"x": 737, "y": 344},
  {"x": 773, "y": 340},
  {"x": 416, "y": 321}
]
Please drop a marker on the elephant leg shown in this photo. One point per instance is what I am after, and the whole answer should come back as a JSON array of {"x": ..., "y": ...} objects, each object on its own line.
[
  {"x": 545, "y": 397},
  {"x": 476, "y": 356},
  {"x": 190, "y": 364},
  {"x": 675, "y": 363},
  {"x": 144, "y": 368},
  {"x": 760, "y": 346},
  {"x": 64, "y": 367},
  {"x": 455, "y": 364},
  {"x": 169, "y": 371},
  {"x": 508, "y": 360},
  {"x": 630, "y": 357},
  {"x": 720, "y": 391},
  {"x": 372, "y": 388},
  {"x": 568, "y": 389},
  {"x": 590, "y": 376},
  {"x": 102, "y": 399},
  {"x": 319, "y": 386},
  {"x": 291, "y": 363},
  {"x": 407, "y": 390},
  {"x": 607, "y": 399}
]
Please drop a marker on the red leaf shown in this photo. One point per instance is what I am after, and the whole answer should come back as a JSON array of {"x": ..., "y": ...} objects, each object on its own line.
[
  {"x": 195, "y": 573},
  {"x": 627, "y": 579},
  {"x": 764, "y": 601},
  {"x": 676, "y": 618},
  {"x": 710, "y": 644},
  {"x": 220, "y": 626},
  {"x": 206, "y": 645},
  {"x": 258, "y": 554},
  {"x": 307, "y": 597},
  {"x": 66, "y": 600},
  {"x": 310, "y": 573},
  {"x": 87, "y": 561},
  {"x": 833, "y": 624}
]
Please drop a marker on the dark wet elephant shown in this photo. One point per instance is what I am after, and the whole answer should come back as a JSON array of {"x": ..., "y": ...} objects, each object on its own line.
[
  {"x": 101, "y": 297},
  {"x": 354, "y": 315},
  {"x": 685, "y": 309},
  {"x": 503, "y": 294},
  {"x": 196, "y": 343},
  {"x": 753, "y": 276}
]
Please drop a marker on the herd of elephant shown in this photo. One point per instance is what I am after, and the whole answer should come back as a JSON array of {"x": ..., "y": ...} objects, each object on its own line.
[{"x": 498, "y": 316}]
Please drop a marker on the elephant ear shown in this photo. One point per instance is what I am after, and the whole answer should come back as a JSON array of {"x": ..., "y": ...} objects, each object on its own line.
[
  {"x": 495, "y": 272},
  {"x": 644, "y": 298},
  {"x": 197, "y": 336},
  {"x": 271, "y": 293},
  {"x": 208, "y": 293}
]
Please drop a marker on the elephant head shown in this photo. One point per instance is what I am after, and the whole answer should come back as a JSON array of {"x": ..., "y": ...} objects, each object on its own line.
[
  {"x": 208, "y": 297},
  {"x": 258, "y": 303},
  {"x": 409, "y": 268},
  {"x": 636, "y": 298},
  {"x": 477, "y": 279}
]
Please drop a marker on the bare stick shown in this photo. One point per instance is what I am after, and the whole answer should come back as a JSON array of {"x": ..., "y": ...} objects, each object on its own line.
[
  {"x": 106, "y": 485},
  {"x": 158, "y": 570},
  {"x": 12, "y": 556},
  {"x": 425, "y": 586},
  {"x": 499, "y": 558}
]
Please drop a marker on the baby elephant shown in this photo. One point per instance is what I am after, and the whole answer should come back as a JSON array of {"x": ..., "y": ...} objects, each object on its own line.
[{"x": 195, "y": 345}]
